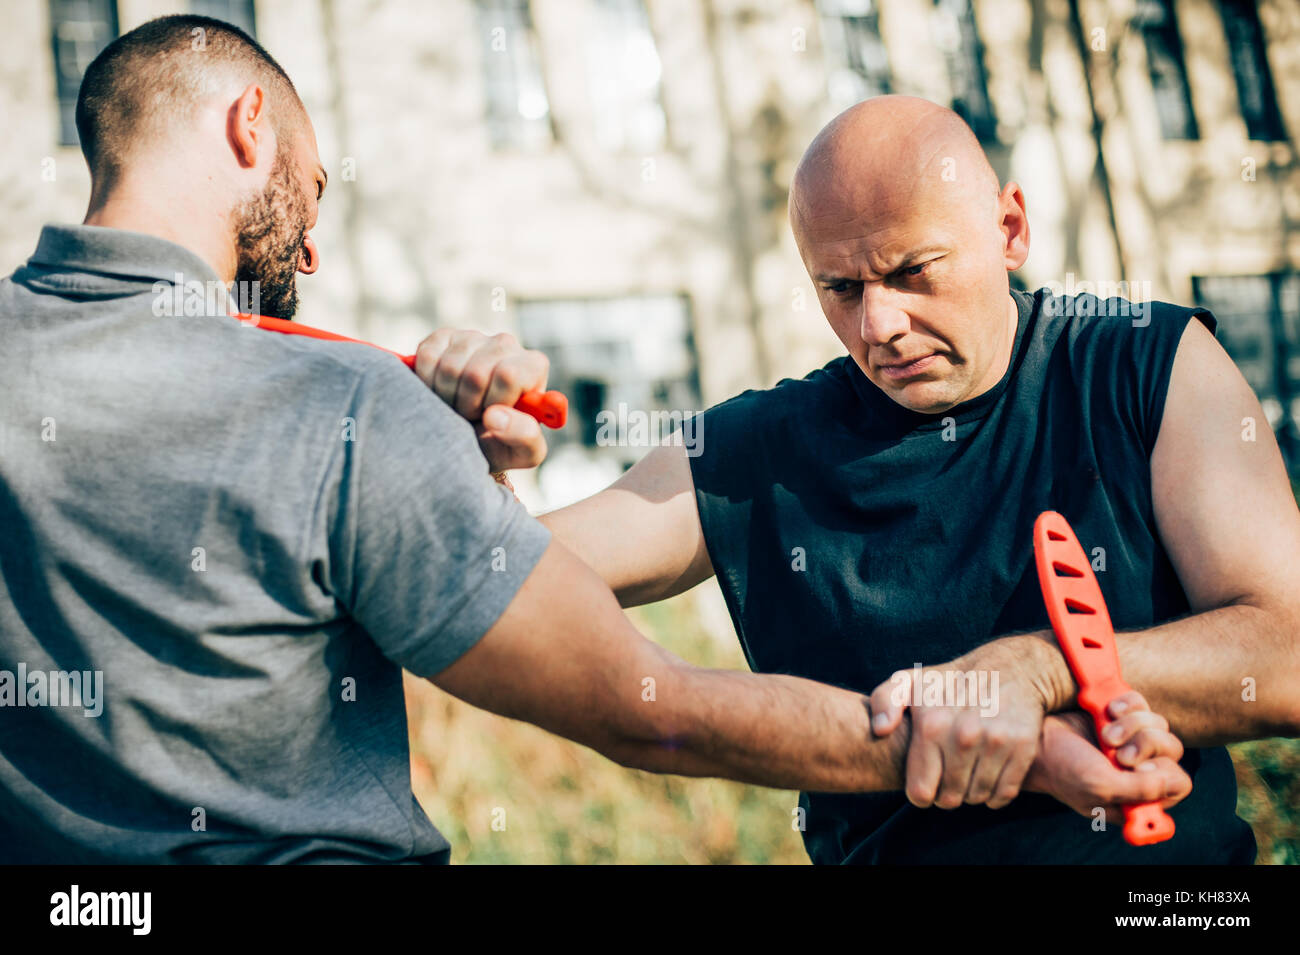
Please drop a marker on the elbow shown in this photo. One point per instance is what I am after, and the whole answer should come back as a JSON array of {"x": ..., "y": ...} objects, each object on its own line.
[{"x": 654, "y": 733}]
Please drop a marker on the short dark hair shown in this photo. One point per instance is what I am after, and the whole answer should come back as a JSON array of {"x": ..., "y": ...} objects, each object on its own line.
[{"x": 162, "y": 68}]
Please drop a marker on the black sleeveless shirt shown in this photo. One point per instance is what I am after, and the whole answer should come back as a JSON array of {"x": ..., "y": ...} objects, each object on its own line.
[{"x": 853, "y": 537}]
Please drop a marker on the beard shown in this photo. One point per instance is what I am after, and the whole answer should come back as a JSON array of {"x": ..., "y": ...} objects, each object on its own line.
[{"x": 269, "y": 233}]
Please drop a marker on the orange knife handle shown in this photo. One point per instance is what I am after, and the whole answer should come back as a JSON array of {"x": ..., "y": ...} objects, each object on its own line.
[
  {"x": 551, "y": 408},
  {"x": 1147, "y": 824},
  {"x": 1077, "y": 610}
]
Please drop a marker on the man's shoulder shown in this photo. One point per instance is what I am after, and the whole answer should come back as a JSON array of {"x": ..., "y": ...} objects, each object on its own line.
[
  {"x": 791, "y": 399},
  {"x": 1087, "y": 316},
  {"x": 311, "y": 369}
]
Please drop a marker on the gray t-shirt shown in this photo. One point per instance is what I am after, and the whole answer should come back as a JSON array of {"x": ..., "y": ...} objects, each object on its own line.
[{"x": 245, "y": 536}]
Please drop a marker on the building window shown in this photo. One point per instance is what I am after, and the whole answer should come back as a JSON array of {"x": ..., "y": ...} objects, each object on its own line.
[
  {"x": 1250, "y": 67},
  {"x": 237, "y": 13},
  {"x": 859, "y": 61},
  {"x": 629, "y": 368},
  {"x": 518, "y": 110},
  {"x": 1259, "y": 326},
  {"x": 1155, "y": 18},
  {"x": 958, "y": 37},
  {"x": 79, "y": 29},
  {"x": 624, "y": 74}
]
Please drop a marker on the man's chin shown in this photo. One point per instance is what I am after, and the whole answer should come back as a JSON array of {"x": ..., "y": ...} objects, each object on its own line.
[{"x": 923, "y": 396}]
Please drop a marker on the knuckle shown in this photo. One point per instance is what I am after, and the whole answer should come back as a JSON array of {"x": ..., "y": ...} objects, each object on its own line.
[
  {"x": 476, "y": 377},
  {"x": 968, "y": 735},
  {"x": 949, "y": 798},
  {"x": 932, "y": 729}
]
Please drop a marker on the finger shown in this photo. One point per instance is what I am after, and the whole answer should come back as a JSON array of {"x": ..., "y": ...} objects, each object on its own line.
[
  {"x": 1123, "y": 731},
  {"x": 1178, "y": 784},
  {"x": 1147, "y": 782},
  {"x": 510, "y": 439},
  {"x": 888, "y": 702},
  {"x": 476, "y": 375},
  {"x": 924, "y": 770},
  {"x": 1012, "y": 776},
  {"x": 429, "y": 351},
  {"x": 1126, "y": 703},
  {"x": 960, "y": 756},
  {"x": 988, "y": 768},
  {"x": 516, "y": 372},
  {"x": 451, "y": 364},
  {"x": 1147, "y": 744}
]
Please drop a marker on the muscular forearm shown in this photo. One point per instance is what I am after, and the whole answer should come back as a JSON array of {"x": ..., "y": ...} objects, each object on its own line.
[
  {"x": 1221, "y": 676},
  {"x": 779, "y": 731},
  {"x": 784, "y": 732}
]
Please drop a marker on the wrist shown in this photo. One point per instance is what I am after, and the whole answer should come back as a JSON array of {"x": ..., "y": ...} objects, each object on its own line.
[{"x": 1049, "y": 670}]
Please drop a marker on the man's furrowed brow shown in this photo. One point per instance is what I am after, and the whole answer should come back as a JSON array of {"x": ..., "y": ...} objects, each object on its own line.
[{"x": 902, "y": 262}]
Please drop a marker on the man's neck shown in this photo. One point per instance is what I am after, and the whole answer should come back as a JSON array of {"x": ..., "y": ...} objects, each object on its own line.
[
  {"x": 174, "y": 222},
  {"x": 1005, "y": 350}
]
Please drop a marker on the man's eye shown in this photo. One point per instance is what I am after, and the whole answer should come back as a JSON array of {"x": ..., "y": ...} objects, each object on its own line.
[
  {"x": 839, "y": 288},
  {"x": 915, "y": 269}
]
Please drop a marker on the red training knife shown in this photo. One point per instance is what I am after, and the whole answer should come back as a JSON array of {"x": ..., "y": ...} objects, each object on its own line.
[
  {"x": 1078, "y": 613},
  {"x": 551, "y": 408}
]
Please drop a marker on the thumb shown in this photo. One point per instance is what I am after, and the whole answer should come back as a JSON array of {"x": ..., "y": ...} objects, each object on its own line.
[
  {"x": 888, "y": 701},
  {"x": 510, "y": 439}
]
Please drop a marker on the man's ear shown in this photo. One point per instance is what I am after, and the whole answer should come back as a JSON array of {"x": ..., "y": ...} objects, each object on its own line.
[
  {"x": 247, "y": 126},
  {"x": 1015, "y": 226}
]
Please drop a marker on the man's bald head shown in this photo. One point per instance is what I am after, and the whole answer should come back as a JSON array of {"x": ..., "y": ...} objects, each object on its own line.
[
  {"x": 879, "y": 154},
  {"x": 143, "y": 87},
  {"x": 908, "y": 238}
]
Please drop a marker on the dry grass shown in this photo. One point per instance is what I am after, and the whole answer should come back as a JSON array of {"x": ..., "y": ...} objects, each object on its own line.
[{"x": 564, "y": 803}]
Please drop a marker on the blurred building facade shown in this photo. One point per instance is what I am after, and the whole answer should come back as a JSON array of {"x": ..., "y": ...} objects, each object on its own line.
[{"x": 607, "y": 179}]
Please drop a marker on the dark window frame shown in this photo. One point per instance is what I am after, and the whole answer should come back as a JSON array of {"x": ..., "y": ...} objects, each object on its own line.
[
  {"x": 65, "y": 88},
  {"x": 1256, "y": 94}
]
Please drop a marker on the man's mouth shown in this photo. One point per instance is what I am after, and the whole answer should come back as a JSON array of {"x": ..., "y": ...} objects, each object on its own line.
[{"x": 908, "y": 368}]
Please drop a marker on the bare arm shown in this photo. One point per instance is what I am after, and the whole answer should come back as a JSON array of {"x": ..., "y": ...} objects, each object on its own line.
[
  {"x": 642, "y": 534},
  {"x": 1227, "y": 517},
  {"x": 564, "y": 657}
]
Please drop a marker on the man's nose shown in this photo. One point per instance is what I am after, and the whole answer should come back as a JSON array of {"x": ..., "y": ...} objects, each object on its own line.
[
  {"x": 882, "y": 319},
  {"x": 309, "y": 260}
]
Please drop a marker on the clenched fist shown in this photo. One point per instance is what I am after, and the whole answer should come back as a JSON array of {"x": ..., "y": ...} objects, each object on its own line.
[{"x": 481, "y": 377}]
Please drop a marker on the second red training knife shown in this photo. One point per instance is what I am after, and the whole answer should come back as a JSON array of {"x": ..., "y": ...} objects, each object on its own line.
[{"x": 1078, "y": 613}]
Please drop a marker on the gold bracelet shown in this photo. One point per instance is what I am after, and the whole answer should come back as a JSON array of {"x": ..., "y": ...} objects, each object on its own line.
[{"x": 500, "y": 478}]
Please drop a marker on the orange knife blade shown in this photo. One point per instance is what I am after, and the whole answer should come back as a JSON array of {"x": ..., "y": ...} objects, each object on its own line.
[{"x": 1077, "y": 609}]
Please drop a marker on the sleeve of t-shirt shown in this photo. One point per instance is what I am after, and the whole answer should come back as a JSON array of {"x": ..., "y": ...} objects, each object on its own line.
[
  {"x": 1131, "y": 360},
  {"x": 1158, "y": 367},
  {"x": 426, "y": 550}
]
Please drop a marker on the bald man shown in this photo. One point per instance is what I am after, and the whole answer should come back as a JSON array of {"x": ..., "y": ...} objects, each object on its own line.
[
  {"x": 875, "y": 515},
  {"x": 221, "y": 546}
]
